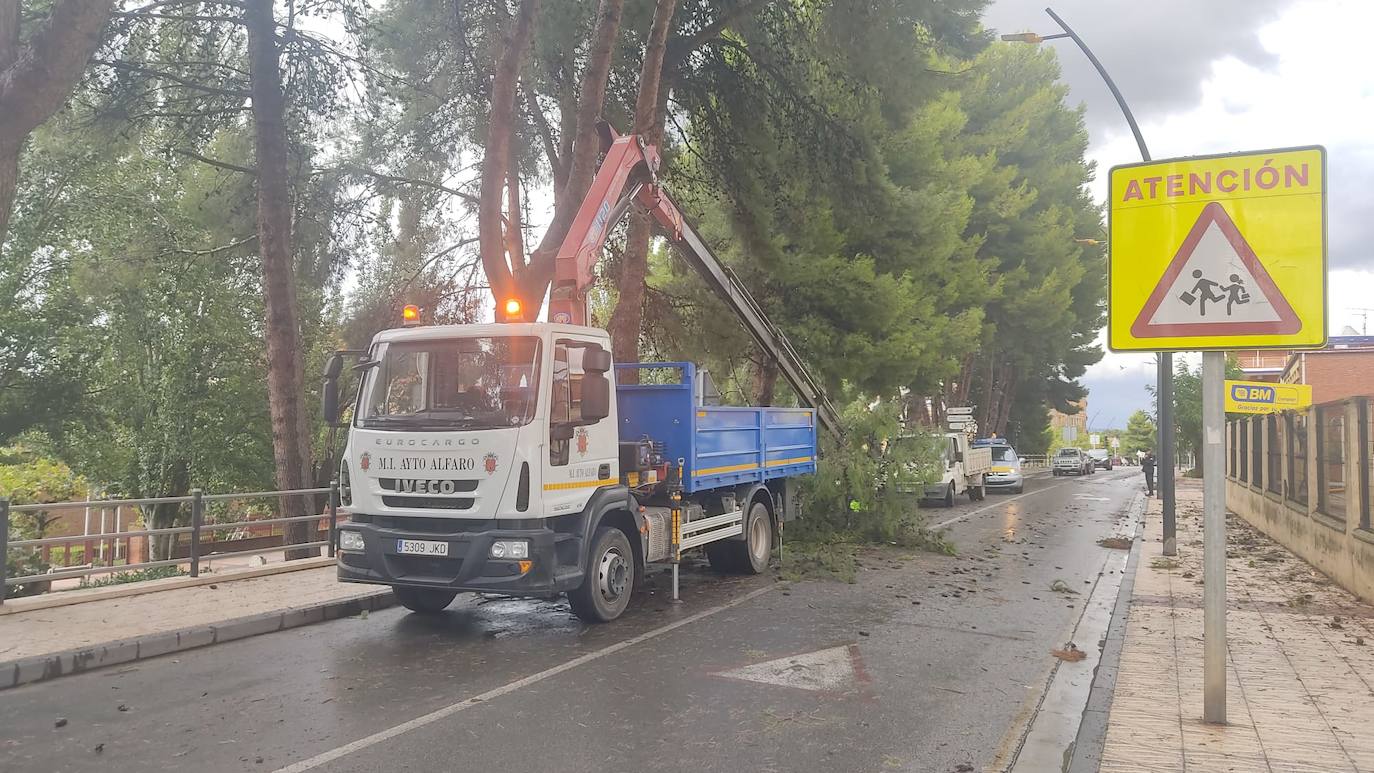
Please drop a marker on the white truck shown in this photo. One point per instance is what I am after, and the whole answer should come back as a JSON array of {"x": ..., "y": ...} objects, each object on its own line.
[{"x": 964, "y": 471}]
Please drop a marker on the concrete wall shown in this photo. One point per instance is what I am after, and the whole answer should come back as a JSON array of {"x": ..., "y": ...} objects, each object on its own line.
[{"x": 1338, "y": 540}]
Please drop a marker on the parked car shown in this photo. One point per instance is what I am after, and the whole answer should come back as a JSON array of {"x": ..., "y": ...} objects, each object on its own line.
[
  {"x": 1072, "y": 461},
  {"x": 1005, "y": 474},
  {"x": 1102, "y": 458}
]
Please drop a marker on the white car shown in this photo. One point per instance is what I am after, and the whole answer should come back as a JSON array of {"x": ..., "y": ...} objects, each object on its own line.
[
  {"x": 1072, "y": 461},
  {"x": 1005, "y": 474}
]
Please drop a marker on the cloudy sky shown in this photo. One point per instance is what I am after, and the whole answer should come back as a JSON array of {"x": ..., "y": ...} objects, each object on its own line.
[{"x": 1212, "y": 76}]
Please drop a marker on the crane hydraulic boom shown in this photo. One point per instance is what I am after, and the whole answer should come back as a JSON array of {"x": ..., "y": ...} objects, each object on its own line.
[{"x": 629, "y": 175}]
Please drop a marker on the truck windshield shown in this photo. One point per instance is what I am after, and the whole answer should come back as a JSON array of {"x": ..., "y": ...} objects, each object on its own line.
[{"x": 467, "y": 383}]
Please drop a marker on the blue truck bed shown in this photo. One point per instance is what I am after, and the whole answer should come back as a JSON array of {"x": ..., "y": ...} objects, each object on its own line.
[{"x": 720, "y": 446}]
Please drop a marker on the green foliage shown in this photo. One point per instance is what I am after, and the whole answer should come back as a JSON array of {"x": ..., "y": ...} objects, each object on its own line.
[
  {"x": 861, "y": 491},
  {"x": 1045, "y": 306},
  {"x": 138, "y": 575},
  {"x": 27, "y": 478},
  {"x": 1139, "y": 434},
  {"x": 1187, "y": 391}
]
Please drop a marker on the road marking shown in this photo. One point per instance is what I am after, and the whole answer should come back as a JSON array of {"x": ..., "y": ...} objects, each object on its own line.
[
  {"x": 477, "y": 700},
  {"x": 834, "y": 669},
  {"x": 971, "y": 513}
]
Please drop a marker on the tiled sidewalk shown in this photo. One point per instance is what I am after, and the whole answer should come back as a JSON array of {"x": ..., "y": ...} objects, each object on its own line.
[{"x": 1300, "y": 666}]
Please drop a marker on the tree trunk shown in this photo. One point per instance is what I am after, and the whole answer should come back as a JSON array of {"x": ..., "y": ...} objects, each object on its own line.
[
  {"x": 961, "y": 387},
  {"x": 1012, "y": 381},
  {"x": 985, "y": 408},
  {"x": 515, "y": 237},
  {"x": 37, "y": 78},
  {"x": 765, "y": 381},
  {"x": 496, "y": 161},
  {"x": 285, "y": 388},
  {"x": 581, "y": 163},
  {"x": 9, "y": 151},
  {"x": 167, "y": 514},
  {"x": 650, "y": 109}
]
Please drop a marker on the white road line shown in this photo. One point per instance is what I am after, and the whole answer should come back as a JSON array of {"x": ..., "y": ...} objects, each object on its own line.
[
  {"x": 477, "y": 700},
  {"x": 971, "y": 513}
]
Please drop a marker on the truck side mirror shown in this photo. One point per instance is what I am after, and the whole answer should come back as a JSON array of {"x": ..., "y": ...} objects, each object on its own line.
[
  {"x": 596, "y": 395},
  {"x": 595, "y": 360},
  {"x": 333, "y": 367},
  {"x": 329, "y": 396}
]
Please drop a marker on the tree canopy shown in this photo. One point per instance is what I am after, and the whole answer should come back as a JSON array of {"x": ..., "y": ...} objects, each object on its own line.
[{"x": 233, "y": 189}]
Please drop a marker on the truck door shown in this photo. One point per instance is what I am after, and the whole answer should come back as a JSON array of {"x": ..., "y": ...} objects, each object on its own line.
[
  {"x": 952, "y": 464},
  {"x": 583, "y": 451}
]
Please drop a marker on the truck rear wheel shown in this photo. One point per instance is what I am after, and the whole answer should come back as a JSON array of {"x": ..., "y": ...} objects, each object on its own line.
[
  {"x": 426, "y": 601},
  {"x": 606, "y": 587},
  {"x": 750, "y": 555}
]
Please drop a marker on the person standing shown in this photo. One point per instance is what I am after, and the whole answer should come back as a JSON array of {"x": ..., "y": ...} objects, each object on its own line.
[{"x": 1148, "y": 465}]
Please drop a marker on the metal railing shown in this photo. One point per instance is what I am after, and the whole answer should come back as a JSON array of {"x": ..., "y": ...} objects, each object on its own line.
[
  {"x": 1315, "y": 460},
  {"x": 198, "y": 529}
]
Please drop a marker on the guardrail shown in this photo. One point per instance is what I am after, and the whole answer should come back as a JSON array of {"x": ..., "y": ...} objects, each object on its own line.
[
  {"x": 198, "y": 528},
  {"x": 1035, "y": 460}
]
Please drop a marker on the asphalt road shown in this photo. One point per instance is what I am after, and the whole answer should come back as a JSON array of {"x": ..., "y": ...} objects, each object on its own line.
[{"x": 926, "y": 663}]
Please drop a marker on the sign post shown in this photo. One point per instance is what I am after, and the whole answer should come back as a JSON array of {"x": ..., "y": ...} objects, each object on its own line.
[
  {"x": 1213, "y": 253},
  {"x": 1213, "y": 539}
]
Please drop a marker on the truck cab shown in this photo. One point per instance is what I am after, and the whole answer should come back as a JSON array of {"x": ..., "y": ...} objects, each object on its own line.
[{"x": 463, "y": 440}]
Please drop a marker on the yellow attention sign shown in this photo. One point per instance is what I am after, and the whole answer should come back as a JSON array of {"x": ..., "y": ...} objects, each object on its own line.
[
  {"x": 1264, "y": 397},
  {"x": 1219, "y": 252}
]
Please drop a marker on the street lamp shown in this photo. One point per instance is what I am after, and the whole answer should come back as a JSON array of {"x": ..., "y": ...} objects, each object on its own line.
[{"x": 1164, "y": 376}]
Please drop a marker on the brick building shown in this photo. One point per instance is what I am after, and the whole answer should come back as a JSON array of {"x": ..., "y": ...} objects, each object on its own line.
[
  {"x": 1333, "y": 373},
  {"x": 1070, "y": 427},
  {"x": 1272, "y": 364}
]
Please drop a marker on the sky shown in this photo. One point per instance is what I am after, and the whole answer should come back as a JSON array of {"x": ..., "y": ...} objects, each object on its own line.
[{"x": 1215, "y": 76}]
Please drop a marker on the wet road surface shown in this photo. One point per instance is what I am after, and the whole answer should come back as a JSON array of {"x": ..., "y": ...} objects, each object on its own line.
[{"x": 925, "y": 663}]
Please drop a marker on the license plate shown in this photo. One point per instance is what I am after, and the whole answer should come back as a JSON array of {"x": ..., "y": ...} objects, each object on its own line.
[{"x": 421, "y": 547}]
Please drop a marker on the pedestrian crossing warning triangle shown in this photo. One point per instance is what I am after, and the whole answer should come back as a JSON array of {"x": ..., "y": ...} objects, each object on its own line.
[{"x": 1215, "y": 285}]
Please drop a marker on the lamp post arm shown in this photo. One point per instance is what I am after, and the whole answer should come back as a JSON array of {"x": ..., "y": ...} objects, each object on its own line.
[{"x": 1120, "y": 100}]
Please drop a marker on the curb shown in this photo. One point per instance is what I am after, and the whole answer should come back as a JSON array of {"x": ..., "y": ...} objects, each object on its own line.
[
  {"x": 84, "y": 595},
  {"x": 1092, "y": 730},
  {"x": 42, "y": 668}
]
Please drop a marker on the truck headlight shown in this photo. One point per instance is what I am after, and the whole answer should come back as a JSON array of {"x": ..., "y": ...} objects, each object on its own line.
[
  {"x": 351, "y": 540},
  {"x": 510, "y": 548}
]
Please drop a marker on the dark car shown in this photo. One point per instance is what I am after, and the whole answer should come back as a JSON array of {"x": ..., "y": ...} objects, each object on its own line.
[{"x": 1102, "y": 458}]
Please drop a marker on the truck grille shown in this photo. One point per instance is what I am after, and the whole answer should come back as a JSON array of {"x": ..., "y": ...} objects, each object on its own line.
[
  {"x": 429, "y": 503},
  {"x": 424, "y": 568},
  {"x": 394, "y": 484}
]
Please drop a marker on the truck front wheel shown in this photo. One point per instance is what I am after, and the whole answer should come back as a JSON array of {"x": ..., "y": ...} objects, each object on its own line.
[
  {"x": 426, "y": 601},
  {"x": 609, "y": 581}
]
